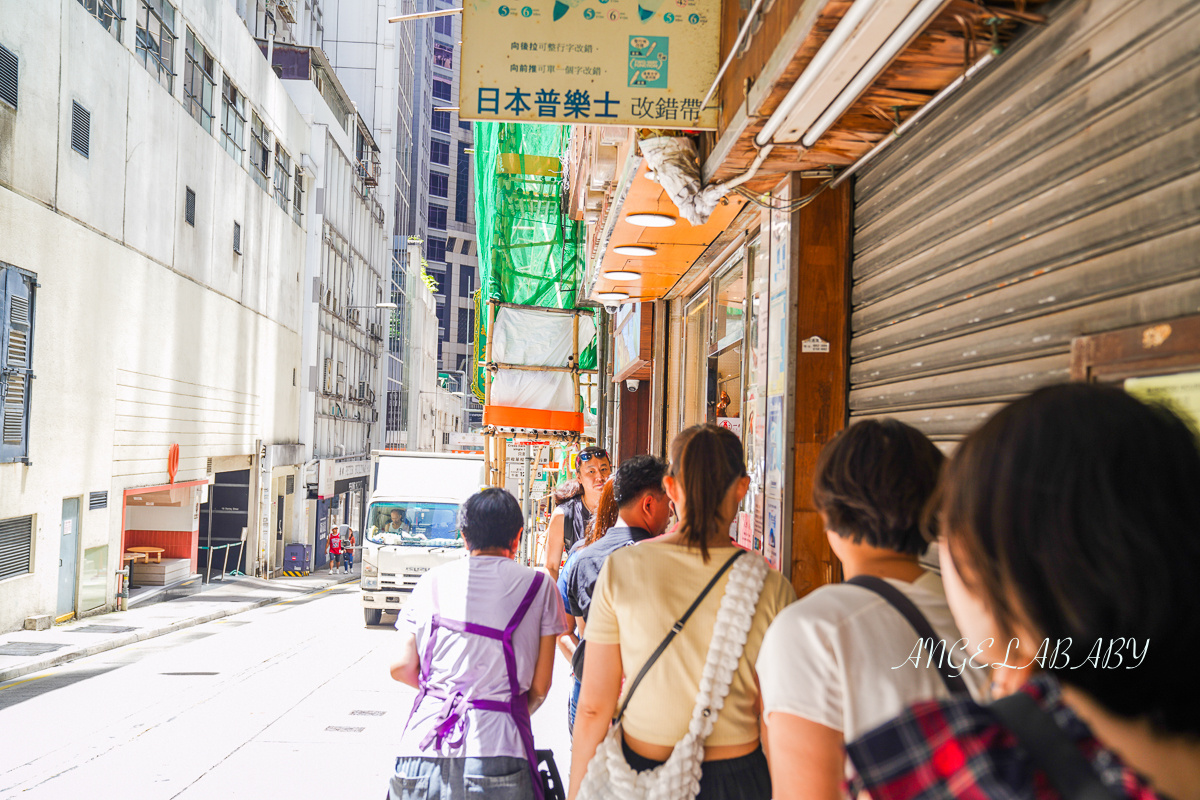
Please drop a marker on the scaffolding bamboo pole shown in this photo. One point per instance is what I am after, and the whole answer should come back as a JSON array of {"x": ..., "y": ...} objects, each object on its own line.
[
  {"x": 487, "y": 394},
  {"x": 575, "y": 359},
  {"x": 492, "y": 367}
]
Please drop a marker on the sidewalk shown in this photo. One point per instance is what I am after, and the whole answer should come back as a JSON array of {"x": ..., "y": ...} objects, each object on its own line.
[{"x": 193, "y": 603}]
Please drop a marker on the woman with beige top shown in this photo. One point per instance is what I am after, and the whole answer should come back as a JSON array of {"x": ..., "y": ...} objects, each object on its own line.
[{"x": 641, "y": 592}]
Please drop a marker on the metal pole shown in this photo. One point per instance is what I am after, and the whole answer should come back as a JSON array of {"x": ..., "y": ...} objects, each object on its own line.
[
  {"x": 602, "y": 387},
  {"x": 212, "y": 497}
]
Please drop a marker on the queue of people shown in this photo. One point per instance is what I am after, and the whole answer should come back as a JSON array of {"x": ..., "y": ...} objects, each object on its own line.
[{"x": 1048, "y": 659}]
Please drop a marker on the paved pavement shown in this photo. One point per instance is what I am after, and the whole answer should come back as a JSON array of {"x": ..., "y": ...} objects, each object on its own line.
[{"x": 191, "y": 603}]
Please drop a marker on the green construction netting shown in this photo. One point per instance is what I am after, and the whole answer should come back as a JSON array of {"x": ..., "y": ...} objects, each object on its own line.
[{"x": 530, "y": 251}]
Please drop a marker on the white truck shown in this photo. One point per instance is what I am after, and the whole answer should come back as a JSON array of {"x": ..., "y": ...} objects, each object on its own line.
[{"x": 412, "y": 522}]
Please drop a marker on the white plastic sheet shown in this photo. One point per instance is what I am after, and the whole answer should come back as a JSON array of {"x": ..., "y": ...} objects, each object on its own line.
[
  {"x": 537, "y": 338},
  {"x": 552, "y": 391}
]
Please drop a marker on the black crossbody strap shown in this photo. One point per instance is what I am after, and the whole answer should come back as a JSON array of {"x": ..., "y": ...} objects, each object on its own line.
[
  {"x": 675, "y": 629},
  {"x": 896, "y": 599},
  {"x": 1066, "y": 768}
]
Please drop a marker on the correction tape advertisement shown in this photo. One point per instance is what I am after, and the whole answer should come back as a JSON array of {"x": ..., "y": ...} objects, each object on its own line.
[{"x": 590, "y": 62}]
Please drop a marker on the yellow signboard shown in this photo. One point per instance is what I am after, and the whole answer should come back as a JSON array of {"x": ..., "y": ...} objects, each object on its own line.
[
  {"x": 646, "y": 63},
  {"x": 1180, "y": 392}
]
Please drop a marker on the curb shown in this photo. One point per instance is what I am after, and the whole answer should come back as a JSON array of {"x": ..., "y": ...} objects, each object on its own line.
[{"x": 59, "y": 659}]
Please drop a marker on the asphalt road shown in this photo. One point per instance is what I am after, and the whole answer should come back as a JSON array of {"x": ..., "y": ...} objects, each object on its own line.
[{"x": 289, "y": 701}]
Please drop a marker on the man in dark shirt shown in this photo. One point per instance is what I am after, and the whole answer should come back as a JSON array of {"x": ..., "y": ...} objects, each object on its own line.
[{"x": 644, "y": 511}]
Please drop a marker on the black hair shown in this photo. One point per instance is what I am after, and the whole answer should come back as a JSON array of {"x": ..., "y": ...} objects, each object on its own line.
[
  {"x": 707, "y": 460},
  {"x": 636, "y": 476},
  {"x": 873, "y": 481},
  {"x": 1074, "y": 512},
  {"x": 594, "y": 452},
  {"x": 490, "y": 519}
]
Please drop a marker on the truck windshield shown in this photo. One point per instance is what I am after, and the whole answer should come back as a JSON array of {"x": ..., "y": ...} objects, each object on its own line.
[{"x": 414, "y": 524}]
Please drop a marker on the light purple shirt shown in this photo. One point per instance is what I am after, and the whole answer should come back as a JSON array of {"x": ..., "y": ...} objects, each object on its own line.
[{"x": 485, "y": 590}]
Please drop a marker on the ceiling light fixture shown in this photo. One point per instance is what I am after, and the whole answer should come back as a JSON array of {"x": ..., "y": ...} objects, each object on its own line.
[
  {"x": 612, "y": 297},
  {"x": 622, "y": 275},
  {"x": 647, "y": 220},
  {"x": 635, "y": 250}
]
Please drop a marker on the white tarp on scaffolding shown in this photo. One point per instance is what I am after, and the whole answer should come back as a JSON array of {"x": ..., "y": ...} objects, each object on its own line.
[
  {"x": 538, "y": 338},
  {"x": 533, "y": 337}
]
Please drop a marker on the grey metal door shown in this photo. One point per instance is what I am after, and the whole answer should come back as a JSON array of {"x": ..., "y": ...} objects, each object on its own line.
[
  {"x": 68, "y": 555},
  {"x": 1057, "y": 195}
]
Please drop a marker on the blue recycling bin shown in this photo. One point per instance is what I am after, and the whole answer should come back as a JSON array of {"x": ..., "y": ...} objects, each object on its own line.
[{"x": 297, "y": 557}]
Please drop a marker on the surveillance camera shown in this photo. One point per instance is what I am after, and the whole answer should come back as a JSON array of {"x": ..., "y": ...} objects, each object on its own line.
[
  {"x": 612, "y": 308},
  {"x": 632, "y": 384}
]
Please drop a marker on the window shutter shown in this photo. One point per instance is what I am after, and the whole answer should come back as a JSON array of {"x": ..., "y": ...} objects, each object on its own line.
[
  {"x": 16, "y": 312},
  {"x": 237, "y": 238},
  {"x": 81, "y": 129},
  {"x": 10, "y": 68},
  {"x": 190, "y": 210},
  {"x": 16, "y": 546}
]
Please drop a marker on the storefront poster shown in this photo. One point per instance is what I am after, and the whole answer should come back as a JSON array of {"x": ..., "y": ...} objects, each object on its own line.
[
  {"x": 745, "y": 529},
  {"x": 773, "y": 530},
  {"x": 731, "y": 423},
  {"x": 777, "y": 322},
  {"x": 646, "y": 63},
  {"x": 774, "y": 467},
  {"x": 1180, "y": 393}
]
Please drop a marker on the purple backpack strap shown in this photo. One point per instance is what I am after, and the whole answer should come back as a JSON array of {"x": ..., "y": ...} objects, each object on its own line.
[{"x": 519, "y": 703}]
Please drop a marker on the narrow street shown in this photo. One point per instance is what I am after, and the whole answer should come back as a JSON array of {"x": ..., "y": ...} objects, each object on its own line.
[{"x": 289, "y": 700}]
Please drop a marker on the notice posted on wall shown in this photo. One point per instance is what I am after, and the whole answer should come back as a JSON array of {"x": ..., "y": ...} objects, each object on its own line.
[
  {"x": 1179, "y": 392},
  {"x": 646, "y": 63},
  {"x": 772, "y": 531}
]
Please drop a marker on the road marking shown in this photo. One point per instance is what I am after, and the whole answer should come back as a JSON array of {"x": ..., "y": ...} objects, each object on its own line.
[
  {"x": 27, "y": 680},
  {"x": 323, "y": 591}
]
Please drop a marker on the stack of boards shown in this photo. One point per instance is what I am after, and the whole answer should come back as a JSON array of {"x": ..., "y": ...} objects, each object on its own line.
[{"x": 169, "y": 571}]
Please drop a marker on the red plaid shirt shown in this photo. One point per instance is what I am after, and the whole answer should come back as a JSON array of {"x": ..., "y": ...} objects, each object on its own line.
[{"x": 957, "y": 749}]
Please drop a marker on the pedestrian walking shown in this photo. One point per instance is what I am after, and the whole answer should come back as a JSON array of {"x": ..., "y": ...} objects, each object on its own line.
[
  {"x": 478, "y": 640},
  {"x": 348, "y": 543},
  {"x": 826, "y": 667},
  {"x": 333, "y": 548},
  {"x": 576, "y": 502},
  {"x": 683, "y": 617},
  {"x": 633, "y": 507},
  {"x": 1067, "y": 527}
]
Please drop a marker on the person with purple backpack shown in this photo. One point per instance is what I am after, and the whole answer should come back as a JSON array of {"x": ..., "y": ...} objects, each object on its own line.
[{"x": 478, "y": 645}]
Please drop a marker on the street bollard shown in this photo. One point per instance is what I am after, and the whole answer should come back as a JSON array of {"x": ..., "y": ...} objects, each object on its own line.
[{"x": 123, "y": 589}]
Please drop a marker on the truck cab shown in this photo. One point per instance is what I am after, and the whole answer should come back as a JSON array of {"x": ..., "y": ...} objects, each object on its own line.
[{"x": 412, "y": 523}]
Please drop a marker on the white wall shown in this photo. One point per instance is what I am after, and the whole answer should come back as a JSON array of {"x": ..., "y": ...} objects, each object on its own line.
[{"x": 149, "y": 331}]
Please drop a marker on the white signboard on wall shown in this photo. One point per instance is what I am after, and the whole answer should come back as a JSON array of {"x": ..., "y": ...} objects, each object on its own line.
[{"x": 646, "y": 63}]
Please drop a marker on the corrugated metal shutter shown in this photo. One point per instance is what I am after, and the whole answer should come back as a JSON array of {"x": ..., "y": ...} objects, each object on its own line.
[
  {"x": 16, "y": 546},
  {"x": 1058, "y": 195}
]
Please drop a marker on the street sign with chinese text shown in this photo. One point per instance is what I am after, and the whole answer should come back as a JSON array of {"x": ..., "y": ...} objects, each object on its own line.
[{"x": 647, "y": 63}]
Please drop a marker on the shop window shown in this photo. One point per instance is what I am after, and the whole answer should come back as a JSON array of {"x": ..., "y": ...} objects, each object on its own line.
[
  {"x": 439, "y": 152},
  {"x": 729, "y": 318},
  {"x": 199, "y": 84},
  {"x": 695, "y": 361},
  {"x": 439, "y": 184},
  {"x": 155, "y": 41},
  {"x": 107, "y": 13},
  {"x": 443, "y": 56},
  {"x": 233, "y": 119}
]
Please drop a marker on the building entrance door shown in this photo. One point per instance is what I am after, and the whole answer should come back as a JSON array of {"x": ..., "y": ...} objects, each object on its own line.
[{"x": 68, "y": 555}]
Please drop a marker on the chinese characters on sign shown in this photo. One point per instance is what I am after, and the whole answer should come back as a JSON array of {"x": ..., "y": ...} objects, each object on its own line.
[{"x": 601, "y": 61}]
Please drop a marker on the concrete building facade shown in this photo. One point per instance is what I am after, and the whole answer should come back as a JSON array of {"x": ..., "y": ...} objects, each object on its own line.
[{"x": 152, "y": 267}]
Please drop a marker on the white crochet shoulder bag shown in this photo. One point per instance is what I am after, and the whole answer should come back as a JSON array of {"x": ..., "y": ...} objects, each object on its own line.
[{"x": 609, "y": 776}]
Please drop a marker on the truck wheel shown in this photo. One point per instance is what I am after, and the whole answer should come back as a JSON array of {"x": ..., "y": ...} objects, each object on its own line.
[{"x": 373, "y": 615}]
